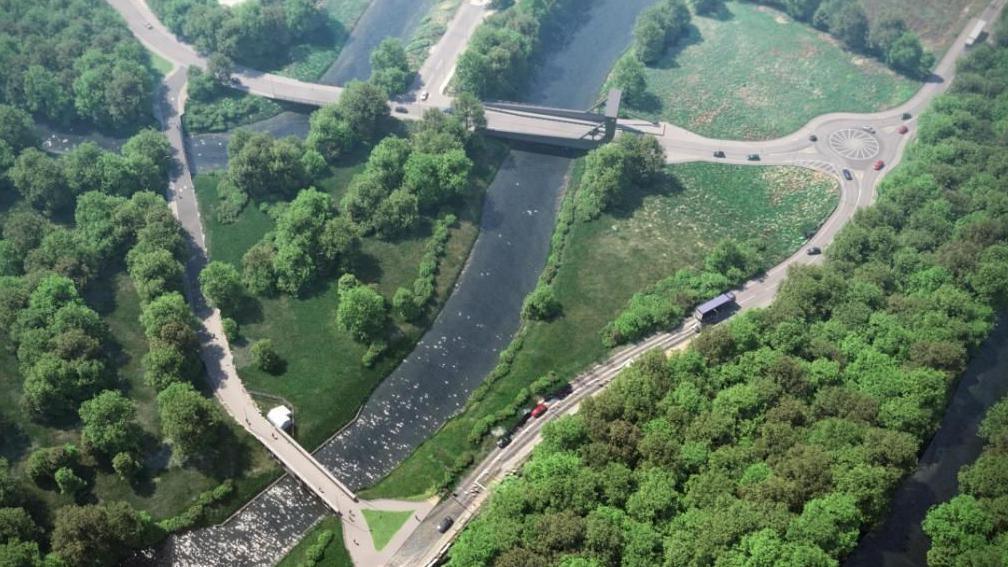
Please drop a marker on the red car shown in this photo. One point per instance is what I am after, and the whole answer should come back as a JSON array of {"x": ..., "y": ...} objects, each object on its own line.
[
  {"x": 879, "y": 165},
  {"x": 903, "y": 129},
  {"x": 539, "y": 410}
]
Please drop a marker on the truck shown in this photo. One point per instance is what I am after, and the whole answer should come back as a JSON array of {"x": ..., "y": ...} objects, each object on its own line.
[
  {"x": 976, "y": 34},
  {"x": 712, "y": 310}
]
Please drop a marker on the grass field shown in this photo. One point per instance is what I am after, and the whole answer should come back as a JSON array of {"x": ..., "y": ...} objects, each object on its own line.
[
  {"x": 758, "y": 74},
  {"x": 334, "y": 555},
  {"x": 165, "y": 492},
  {"x": 938, "y": 22},
  {"x": 384, "y": 525},
  {"x": 609, "y": 259},
  {"x": 324, "y": 379}
]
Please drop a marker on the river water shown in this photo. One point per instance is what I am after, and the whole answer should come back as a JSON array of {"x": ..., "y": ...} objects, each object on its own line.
[
  {"x": 899, "y": 541},
  {"x": 478, "y": 320}
]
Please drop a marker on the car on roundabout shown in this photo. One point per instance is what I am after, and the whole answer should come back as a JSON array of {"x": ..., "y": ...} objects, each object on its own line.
[
  {"x": 848, "y": 175},
  {"x": 878, "y": 165}
]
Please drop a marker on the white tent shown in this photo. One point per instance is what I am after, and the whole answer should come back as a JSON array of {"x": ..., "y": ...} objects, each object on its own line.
[{"x": 281, "y": 417}]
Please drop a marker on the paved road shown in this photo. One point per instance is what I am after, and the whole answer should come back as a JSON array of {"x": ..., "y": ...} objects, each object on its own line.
[
  {"x": 842, "y": 143},
  {"x": 439, "y": 67},
  {"x": 426, "y": 545}
]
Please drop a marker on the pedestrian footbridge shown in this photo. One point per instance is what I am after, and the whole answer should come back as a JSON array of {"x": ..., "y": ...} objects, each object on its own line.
[{"x": 577, "y": 129}]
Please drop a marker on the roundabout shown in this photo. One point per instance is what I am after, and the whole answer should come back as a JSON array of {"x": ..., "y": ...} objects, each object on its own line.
[{"x": 854, "y": 143}]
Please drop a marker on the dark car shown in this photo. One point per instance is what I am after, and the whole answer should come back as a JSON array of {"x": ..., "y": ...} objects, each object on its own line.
[
  {"x": 906, "y": 116},
  {"x": 813, "y": 138},
  {"x": 719, "y": 154},
  {"x": 753, "y": 157},
  {"x": 562, "y": 392},
  {"x": 504, "y": 440},
  {"x": 848, "y": 175},
  {"x": 401, "y": 109},
  {"x": 814, "y": 251},
  {"x": 523, "y": 417},
  {"x": 444, "y": 524}
]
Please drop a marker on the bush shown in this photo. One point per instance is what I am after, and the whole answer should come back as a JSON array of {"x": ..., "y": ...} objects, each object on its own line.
[
  {"x": 231, "y": 329},
  {"x": 126, "y": 465},
  {"x": 541, "y": 304},
  {"x": 265, "y": 357}
]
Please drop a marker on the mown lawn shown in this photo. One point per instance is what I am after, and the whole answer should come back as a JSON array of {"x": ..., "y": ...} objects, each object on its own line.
[
  {"x": 324, "y": 379},
  {"x": 609, "y": 259},
  {"x": 335, "y": 554},
  {"x": 756, "y": 74},
  {"x": 162, "y": 492},
  {"x": 383, "y": 525}
]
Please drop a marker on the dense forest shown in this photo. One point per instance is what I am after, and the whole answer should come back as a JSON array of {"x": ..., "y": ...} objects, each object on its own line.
[
  {"x": 778, "y": 437},
  {"x": 497, "y": 61},
  {"x": 70, "y": 61},
  {"x": 972, "y": 528},
  {"x": 259, "y": 33}
]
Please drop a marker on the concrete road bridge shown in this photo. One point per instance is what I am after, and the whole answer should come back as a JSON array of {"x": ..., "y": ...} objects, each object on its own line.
[{"x": 830, "y": 143}]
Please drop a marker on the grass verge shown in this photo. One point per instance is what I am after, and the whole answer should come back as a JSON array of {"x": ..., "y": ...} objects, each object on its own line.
[
  {"x": 606, "y": 261},
  {"x": 333, "y": 554},
  {"x": 383, "y": 525}
]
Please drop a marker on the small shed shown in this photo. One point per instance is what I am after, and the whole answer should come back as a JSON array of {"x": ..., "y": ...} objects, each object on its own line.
[{"x": 281, "y": 417}]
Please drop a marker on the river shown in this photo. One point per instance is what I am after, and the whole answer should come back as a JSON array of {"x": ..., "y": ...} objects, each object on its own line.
[
  {"x": 478, "y": 320},
  {"x": 899, "y": 541}
]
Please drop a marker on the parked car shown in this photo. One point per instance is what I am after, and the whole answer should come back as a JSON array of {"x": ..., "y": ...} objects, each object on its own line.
[
  {"x": 906, "y": 116},
  {"x": 445, "y": 524},
  {"x": 878, "y": 165},
  {"x": 848, "y": 175},
  {"x": 401, "y": 109},
  {"x": 719, "y": 154},
  {"x": 903, "y": 129},
  {"x": 150, "y": 26},
  {"x": 814, "y": 251},
  {"x": 813, "y": 138},
  {"x": 523, "y": 417},
  {"x": 562, "y": 392},
  {"x": 753, "y": 157},
  {"x": 504, "y": 440},
  {"x": 424, "y": 95},
  {"x": 539, "y": 409}
]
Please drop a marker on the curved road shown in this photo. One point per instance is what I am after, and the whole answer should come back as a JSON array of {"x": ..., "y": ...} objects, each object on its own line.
[{"x": 842, "y": 143}]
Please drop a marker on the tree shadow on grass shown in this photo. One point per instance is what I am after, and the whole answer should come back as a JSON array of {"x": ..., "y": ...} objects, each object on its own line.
[
  {"x": 721, "y": 13},
  {"x": 670, "y": 60},
  {"x": 634, "y": 196}
]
